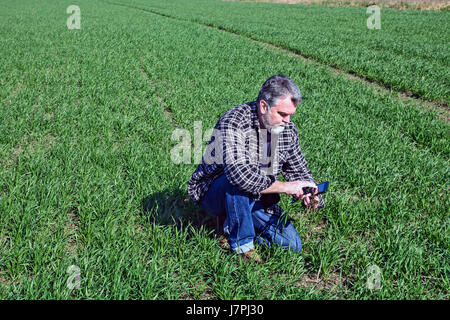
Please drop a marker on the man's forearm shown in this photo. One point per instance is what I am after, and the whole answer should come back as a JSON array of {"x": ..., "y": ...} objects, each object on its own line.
[
  {"x": 293, "y": 188},
  {"x": 276, "y": 187}
]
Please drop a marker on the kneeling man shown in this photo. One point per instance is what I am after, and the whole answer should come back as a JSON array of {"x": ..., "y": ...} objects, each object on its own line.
[{"x": 250, "y": 146}]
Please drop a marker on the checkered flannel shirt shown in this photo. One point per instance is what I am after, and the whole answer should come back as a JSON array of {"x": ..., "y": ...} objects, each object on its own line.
[{"x": 238, "y": 140}]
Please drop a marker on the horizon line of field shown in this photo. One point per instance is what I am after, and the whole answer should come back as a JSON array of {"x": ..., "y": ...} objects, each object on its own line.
[{"x": 438, "y": 106}]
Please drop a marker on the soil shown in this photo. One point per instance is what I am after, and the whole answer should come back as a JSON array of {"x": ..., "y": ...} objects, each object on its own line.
[{"x": 394, "y": 4}]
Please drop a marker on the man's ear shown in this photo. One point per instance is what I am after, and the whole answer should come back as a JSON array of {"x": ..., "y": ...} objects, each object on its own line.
[{"x": 263, "y": 107}]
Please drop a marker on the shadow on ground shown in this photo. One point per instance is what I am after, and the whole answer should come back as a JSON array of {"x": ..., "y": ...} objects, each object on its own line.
[{"x": 175, "y": 207}]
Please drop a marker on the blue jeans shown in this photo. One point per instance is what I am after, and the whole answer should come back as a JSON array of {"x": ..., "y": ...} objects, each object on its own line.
[{"x": 246, "y": 220}]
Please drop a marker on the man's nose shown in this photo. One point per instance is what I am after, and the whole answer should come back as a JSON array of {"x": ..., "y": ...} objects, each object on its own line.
[{"x": 287, "y": 119}]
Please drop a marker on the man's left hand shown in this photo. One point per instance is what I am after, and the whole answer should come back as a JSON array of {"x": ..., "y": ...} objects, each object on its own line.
[{"x": 310, "y": 201}]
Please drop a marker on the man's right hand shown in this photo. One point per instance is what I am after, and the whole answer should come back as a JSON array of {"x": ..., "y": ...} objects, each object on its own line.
[{"x": 295, "y": 188}]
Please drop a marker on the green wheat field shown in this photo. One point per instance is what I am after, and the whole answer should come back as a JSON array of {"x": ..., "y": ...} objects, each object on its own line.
[{"x": 93, "y": 207}]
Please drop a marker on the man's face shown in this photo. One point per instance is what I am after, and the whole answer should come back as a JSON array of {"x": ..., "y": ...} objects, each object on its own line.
[{"x": 279, "y": 115}]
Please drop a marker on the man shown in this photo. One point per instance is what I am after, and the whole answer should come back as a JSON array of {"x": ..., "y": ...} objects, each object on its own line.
[{"x": 250, "y": 146}]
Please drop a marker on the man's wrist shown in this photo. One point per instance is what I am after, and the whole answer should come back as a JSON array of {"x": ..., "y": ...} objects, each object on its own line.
[
  {"x": 283, "y": 187},
  {"x": 276, "y": 187}
]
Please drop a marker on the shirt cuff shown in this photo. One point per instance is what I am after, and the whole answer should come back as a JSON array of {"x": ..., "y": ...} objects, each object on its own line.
[{"x": 257, "y": 195}]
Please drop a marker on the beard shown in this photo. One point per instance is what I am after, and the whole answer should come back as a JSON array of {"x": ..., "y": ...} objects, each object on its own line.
[
  {"x": 276, "y": 129},
  {"x": 273, "y": 129}
]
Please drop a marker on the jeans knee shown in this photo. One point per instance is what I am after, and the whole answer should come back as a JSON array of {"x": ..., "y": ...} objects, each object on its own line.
[
  {"x": 298, "y": 245},
  {"x": 291, "y": 239}
]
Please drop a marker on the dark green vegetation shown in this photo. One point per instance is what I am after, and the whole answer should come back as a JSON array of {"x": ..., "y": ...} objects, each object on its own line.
[{"x": 85, "y": 137}]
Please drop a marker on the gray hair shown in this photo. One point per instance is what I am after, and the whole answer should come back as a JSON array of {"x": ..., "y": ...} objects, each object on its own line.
[{"x": 278, "y": 86}]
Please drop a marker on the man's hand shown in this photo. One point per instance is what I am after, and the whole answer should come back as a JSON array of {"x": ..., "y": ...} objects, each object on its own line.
[
  {"x": 310, "y": 200},
  {"x": 295, "y": 188}
]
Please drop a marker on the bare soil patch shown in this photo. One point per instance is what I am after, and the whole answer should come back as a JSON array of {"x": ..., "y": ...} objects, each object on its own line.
[
  {"x": 394, "y": 4},
  {"x": 30, "y": 146},
  {"x": 71, "y": 230},
  {"x": 333, "y": 283}
]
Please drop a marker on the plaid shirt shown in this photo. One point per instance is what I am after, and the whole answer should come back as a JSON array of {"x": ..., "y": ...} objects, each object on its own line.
[{"x": 238, "y": 149}]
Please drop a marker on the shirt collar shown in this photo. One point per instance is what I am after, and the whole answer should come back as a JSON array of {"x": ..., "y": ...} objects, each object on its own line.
[{"x": 254, "y": 115}]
